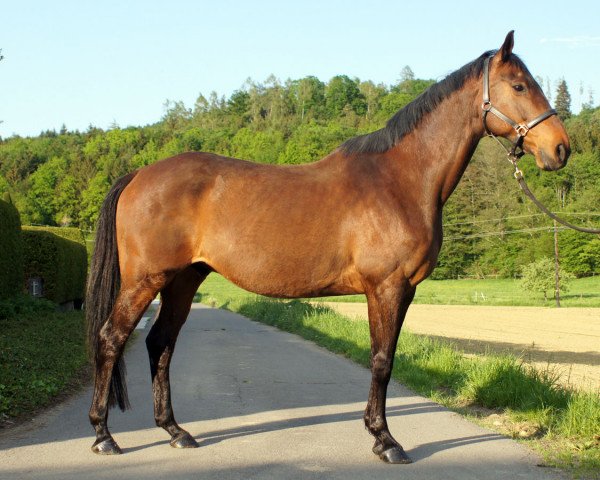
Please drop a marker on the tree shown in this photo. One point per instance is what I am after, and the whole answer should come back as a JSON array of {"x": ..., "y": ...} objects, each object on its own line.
[
  {"x": 372, "y": 94},
  {"x": 562, "y": 104},
  {"x": 91, "y": 200},
  {"x": 310, "y": 94},
  {"x": 406, "y": 75},
  {"x": 342, "y": 91},
  {"x": 176, "y": 116},
  {"x": 538, "y": 277},
  {"x": 42, "y": 194}
]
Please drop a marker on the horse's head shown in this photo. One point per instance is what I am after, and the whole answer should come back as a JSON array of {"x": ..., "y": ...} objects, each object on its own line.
[{"x": 521, "y": 112}]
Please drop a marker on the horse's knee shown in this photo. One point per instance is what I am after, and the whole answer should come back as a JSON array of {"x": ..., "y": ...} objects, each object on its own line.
[
  {"x": 374, "y": 423},
  {"x": 381, "y": 366}
]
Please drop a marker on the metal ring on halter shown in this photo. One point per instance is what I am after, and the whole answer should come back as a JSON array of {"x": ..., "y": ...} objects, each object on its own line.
[{"x": 522, "y": 130}]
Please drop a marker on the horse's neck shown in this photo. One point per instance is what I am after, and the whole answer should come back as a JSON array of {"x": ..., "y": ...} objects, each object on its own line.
[{"x": 444, "y": 142}]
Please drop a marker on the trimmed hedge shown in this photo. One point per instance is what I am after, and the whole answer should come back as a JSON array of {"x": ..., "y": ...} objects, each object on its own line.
[
  {"x": 70, "y": 233},
  {"x": 60, "y": 262},
  {"x": 11, "y": 251}
]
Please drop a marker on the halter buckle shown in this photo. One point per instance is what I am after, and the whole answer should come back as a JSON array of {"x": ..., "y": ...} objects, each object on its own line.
[
  {"x": 486, "y": 106},
  {"x": 522, "y": 130}
]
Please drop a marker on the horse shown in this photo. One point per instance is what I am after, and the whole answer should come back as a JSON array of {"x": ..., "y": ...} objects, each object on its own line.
[{"x": 365, "y": 219}]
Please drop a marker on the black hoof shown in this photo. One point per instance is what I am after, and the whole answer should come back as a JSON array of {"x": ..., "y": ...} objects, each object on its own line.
[
  {"x": 395, "y": 455},
  {"x": 106, "y": 447},
  {"x": 184, "y": 440}
]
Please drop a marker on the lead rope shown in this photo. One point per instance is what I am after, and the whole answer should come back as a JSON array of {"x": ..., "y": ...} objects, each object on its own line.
[{"x": 518, "y": 174}]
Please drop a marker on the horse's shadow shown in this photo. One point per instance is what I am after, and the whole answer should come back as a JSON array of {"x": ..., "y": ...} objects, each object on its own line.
[{"x": 419, "y": 452}]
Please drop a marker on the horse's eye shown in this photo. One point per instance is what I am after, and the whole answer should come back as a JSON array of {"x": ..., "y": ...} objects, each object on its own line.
[{"x": 518, "y": 87}]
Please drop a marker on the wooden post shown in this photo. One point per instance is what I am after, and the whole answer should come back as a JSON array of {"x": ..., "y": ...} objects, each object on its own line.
[{"x": 556, "y": 268}]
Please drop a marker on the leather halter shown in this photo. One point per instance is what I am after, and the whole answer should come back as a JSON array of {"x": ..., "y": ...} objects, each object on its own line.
[{"x": 521, "y": 128}]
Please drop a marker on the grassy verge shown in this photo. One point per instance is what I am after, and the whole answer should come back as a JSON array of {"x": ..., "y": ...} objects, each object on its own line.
[
  {"x": 41, "y": 353},
  {"x": 500, "y": 390},
  {"x": 583, "y": 292}
]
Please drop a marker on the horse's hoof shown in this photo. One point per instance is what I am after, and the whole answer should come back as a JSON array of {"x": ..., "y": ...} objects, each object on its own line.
[
  {"x": 395, "y": 455},
  {"x": 106, "y": 447},
  {"x": 184, "y": 440}
]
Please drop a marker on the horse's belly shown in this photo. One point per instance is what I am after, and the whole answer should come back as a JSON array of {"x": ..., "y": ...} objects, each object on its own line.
[{"x": 288, "y": 274}]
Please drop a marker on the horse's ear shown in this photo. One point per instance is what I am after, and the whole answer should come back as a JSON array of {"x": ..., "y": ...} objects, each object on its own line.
[{"x": 507, "y": 46}]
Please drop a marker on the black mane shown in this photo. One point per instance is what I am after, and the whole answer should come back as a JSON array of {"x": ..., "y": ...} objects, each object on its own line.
[{"x": 408, "y": 117}]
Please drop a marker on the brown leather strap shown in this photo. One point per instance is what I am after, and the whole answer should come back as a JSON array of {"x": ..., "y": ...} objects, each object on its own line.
[{"x": 544, "y": 209}]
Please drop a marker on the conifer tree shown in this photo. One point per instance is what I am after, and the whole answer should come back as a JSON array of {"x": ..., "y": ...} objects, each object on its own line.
[{"x": 562, "y": 104}]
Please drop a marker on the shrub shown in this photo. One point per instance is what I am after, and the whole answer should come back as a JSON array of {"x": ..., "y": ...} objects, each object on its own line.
[
  {"x": 61, "y": 263},
  {"x": 538, "y": 277},
  {"x": 11, "y": 255},
  {"x": 70, "y": 233}
]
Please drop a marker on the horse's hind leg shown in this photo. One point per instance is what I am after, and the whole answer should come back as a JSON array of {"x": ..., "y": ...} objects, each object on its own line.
[
  {"x": 132, "y": 301},
  {"x": 387, "y": 304},
  {"x": 176, "y": 299}
]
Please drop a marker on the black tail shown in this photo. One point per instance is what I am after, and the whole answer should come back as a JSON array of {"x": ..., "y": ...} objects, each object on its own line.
[{"x": 103, "y": 285}]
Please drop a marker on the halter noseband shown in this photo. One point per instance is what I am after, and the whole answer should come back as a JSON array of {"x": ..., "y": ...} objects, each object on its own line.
[{"x": 522, "y": 129}]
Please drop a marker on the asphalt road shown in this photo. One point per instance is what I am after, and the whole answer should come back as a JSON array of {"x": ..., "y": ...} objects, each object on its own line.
[{"x": 263, "y": 405}]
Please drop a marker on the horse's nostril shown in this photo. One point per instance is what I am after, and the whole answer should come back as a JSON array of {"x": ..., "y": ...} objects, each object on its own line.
[{"x": 562, "y": 152}]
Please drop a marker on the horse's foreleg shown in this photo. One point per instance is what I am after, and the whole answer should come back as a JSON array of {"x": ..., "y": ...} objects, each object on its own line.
[
  {"x": 128, "y": 309},
  {"x": 176, "y": 299},
  {"x": 387, "y": 304}
]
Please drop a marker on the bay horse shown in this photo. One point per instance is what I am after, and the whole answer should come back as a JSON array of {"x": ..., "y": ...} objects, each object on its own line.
[{"x": 367, "y": 218}]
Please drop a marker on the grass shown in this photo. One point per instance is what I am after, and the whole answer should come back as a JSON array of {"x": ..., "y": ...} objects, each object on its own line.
[
  {"x": 502, "y": 391},
  {"x": 583, "y": 292},
  {"x": 41, "y": 353}
]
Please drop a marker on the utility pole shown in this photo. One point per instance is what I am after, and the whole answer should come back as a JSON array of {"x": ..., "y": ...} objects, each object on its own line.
[{"x": 556, "y": 268}]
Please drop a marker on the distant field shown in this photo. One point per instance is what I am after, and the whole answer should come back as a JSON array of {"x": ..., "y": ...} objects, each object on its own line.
[{"x": 584, "y": 292}]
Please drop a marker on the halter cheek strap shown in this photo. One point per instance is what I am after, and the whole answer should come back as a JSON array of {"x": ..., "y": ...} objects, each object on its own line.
[{"x": 521, "y": 128}]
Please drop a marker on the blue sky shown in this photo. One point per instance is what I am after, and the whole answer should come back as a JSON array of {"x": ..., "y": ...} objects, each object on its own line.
[{"x": 83, "y": 62}]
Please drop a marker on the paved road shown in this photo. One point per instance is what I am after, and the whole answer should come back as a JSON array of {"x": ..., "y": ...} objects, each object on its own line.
[{"x": 263, "y": 405}]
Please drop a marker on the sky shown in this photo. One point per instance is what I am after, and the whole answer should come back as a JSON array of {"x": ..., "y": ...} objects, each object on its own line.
[{"x": 82, "y": 63}]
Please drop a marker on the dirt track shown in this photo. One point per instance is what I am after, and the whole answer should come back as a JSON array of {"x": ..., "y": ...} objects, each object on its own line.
[{"x": 567, "y": 340}]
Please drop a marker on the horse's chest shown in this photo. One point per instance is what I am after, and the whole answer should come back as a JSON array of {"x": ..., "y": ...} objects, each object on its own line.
[{"x": 409, "y": 246}]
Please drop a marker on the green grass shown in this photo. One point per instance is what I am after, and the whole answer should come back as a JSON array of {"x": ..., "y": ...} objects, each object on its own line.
[
  {"x": 41, "y": 352},
  {"x": 583, "y": 292},
  {"x": 561, "y": 423}
]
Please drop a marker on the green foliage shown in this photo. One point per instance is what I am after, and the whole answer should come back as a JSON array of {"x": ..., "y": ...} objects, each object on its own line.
[
  {"x": 312, "y": 141},
  {"x": 584, "y": 131},
  {"x": 92, "y": 200},
  {"x": 340, "y": 92},
  {"x": 579, "y": 254},
  {"x": 11, "y": 253},
  {"x": 70, "y": 233},
  {"x": 539, "y": 277},
  {"x": 42, "y": 201},
  {"x": 41, "y": 351},
  {"x": 259, "y": 146},
  {"x": 61, "y": 263}
]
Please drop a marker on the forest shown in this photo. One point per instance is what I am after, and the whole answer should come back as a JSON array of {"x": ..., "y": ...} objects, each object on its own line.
[{"x": 490, "y": 228}]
